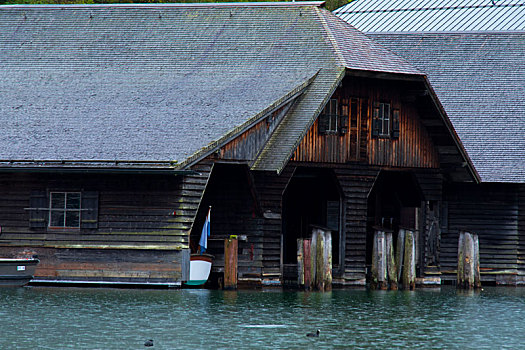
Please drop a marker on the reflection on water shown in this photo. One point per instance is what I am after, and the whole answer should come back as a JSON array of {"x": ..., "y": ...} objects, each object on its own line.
[{"x": 71, "y": 318}]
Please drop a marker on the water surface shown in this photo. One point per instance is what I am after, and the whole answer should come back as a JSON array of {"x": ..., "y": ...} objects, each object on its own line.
[{"x": 93, "y": 318}]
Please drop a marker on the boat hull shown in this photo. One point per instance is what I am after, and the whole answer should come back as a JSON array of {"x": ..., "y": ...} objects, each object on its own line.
[
  {"x": 16, "y": 272},
  {"x": 200, "y": 267}
]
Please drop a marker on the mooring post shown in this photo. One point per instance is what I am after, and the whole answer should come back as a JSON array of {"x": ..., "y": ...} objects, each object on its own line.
[
  {"x": 400, "y": 252},
  {"x": 230, "y": 263},
  {"x": 327, "y": 261},
  {"x": 390, "y": 261},
  {"x": 468, "y": 275},
  {"x": 307, "y": 257},
  {"x": 319, "y": 265},
  {"x": 379, "y": 269},
  {"x": 300, "y": 262},
  {"x": 409, "y": 266}
]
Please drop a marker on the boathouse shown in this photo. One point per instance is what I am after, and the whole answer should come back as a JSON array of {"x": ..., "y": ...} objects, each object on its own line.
[
  {"x": 123, "y": 124},
  {"x": 473, "y": 55}
]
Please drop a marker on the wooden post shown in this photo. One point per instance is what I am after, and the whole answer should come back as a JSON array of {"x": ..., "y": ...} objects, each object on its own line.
[
  {"x": 313, "y": 260},
  {"x": 379, "y": 268},
  {"x": 319, "y": 264},
  {"x": 477, "y": 276},
  {"x": 409, "y": 267},
  {"x": 468, "y": 261},
  {"x": 390, "y": 261},
  {"x": 230, "y": 263},
  {"x": 300, "y": 262},
  {"x": 460, "y": 270},
  {"x": 307, "y": 263},
  {"x": 327, "y": 261},
  {"x": 400, "y": 252}
]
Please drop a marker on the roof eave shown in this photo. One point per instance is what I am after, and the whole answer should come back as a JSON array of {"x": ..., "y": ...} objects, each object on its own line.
[{"x": 473, "y": 172}]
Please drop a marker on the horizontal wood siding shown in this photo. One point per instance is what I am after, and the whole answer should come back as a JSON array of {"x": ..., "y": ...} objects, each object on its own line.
[
  {"x": 413, "y": 148},
  {"x": 135, "y": 212},
  {"x": 270, "y": 188},
  {"x": 234, "y": 211},
  {"x": 356, "y": 183},
  {"x": 491, "y": 211},
  {"x": 521, "y": 234}
]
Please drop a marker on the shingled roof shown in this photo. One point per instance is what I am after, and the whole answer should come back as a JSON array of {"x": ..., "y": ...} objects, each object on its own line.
[
  {"x": 166, "y": 82},
  {"x": 479, "y": 77}
]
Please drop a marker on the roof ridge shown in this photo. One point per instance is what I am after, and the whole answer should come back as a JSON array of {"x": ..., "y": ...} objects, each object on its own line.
[
  {"x": 172, "y": 5},
  {"x": 331, "y": 37}
]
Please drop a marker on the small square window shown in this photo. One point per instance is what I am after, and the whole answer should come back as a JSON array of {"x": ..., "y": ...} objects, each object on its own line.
[{"x": 64, "y": 209}]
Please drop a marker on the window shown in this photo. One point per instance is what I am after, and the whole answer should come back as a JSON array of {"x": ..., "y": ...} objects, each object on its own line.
[
  {"x": 64, "y": 209},
  {"x": 385, "y": 121},
  {"x": 331, "y": 121}
]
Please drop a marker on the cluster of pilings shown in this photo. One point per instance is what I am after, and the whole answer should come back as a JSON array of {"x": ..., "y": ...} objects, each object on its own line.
[
  {"x": 393, "y": 268},
  {"x": 314, "y": 261}
]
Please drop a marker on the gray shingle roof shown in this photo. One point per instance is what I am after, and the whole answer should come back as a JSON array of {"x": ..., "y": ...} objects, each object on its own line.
[
  {"x": 159, "y": 82},
  {"x": 434, "y": 15},
  {"x": 480, "y": 80}
]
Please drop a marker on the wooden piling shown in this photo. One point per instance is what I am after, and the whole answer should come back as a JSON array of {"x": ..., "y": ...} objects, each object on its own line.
[
  {"x": 327, "y": 259},
  {"x": 390, "y": 261},
  {"x": 300, "y": 262},
  {"x": 379, "y": 268},
  {"x": 230, "y": 263},
  {"x": 409, "y": 266},
  {"x": 319, "y": 265},
  {"x": 307, "y": 251},
  {"x": 468, "y": 276},
  {"x": 400, "y": 252}
]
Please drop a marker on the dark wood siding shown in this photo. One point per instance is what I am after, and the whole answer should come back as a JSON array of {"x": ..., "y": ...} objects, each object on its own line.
[
  {"x": 135, "y": 212},
  {"x": 521, "y": 234},
  {"x": 491, "y": 211},
  {"x": 413, "y": 147}
]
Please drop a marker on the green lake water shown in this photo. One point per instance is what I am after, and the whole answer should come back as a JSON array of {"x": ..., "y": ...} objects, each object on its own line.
[{"x": 93, "y": 318}]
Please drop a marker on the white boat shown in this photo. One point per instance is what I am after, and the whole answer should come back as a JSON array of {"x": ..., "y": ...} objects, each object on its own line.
[{"x": 200, "y": 267}]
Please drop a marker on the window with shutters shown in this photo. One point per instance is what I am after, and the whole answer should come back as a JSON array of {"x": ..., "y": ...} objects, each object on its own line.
[
  {"x": 385, "y": 121},
  {"x": 331, "y": 120},
  {"x": 63, "y": 209}
]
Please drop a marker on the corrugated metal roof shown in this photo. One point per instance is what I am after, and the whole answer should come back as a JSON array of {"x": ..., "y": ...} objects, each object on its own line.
[{"x": 434, "y": 15}]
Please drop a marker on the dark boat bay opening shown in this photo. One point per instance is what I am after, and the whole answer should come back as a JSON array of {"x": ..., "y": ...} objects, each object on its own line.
[{"x": 97, "y": 318}]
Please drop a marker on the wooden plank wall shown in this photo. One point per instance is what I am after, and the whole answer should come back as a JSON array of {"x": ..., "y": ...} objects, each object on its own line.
[
  {"x": 148, "y": 212},
  {"x": 270, "y": 188},
  {"x": 413, "y": 148},
  {"x": 491, "y": 211},
  {"x": 235, "y": 211},
  {"x": 521, "y": 234}
]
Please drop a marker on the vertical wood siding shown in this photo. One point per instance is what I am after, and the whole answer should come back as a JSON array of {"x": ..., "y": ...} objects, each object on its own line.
[
  {"x": 413, "y": 148},
  {"x": 521, "y": 234}
]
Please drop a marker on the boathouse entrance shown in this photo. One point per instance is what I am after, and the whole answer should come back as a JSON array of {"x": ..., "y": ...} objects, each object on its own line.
[
  {"x": 393, "y": 204},
  {"x": 312, "y": 197}
]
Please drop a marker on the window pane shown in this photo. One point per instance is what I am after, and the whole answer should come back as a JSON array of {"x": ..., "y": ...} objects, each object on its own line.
[
  {"x": 72, "y": 219},
  {"x": 73, "y": 201},
  {"x": 58, "y": 200},
  {"x": 56, "y": 219}
]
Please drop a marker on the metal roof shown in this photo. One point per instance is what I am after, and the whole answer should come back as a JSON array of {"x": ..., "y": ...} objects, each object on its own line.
[{"x": 374, "y": 16}]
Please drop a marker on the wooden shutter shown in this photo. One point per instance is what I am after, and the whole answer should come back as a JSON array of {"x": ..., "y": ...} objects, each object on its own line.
[
  {"x": 342, "y": 114},
  {"x": 395, "y": 123},
  {"x": 376, "y": 122},
  {"x": 89, "y": 214},
  {"x": 38, "y": 213},
  {"x": 323, "y": 123}
]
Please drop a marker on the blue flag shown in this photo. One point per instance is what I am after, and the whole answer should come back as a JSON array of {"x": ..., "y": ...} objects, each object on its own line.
[{"x": 203, "y": 243}]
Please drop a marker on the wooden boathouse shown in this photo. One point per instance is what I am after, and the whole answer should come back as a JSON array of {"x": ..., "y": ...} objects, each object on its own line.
[
  {"x": 472, "y": 52},
  {"x": 123, "y": 124}
]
